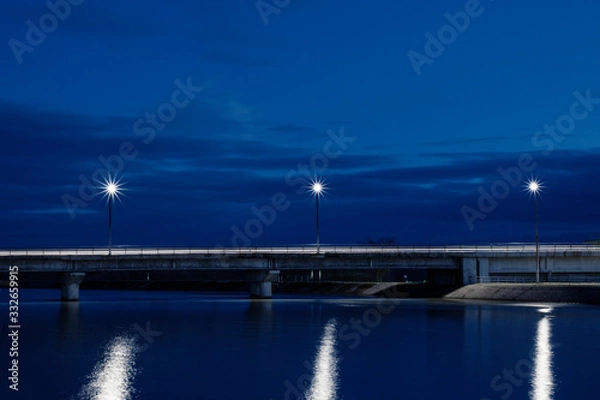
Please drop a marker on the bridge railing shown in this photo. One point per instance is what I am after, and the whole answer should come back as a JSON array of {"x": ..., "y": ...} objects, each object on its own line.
[
  {"x": 545, "y": 249},
  {"x": 503, "y": 279},
  {"x": 508, "y": 279}
]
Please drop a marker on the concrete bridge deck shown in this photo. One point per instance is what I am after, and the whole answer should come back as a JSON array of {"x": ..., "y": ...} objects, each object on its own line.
[{"x": 261, "y": 265}]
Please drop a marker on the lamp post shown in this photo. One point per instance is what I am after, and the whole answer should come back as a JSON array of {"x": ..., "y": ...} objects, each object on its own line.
[
  {"x": 111, "y": 190},
  {"x": 533, "y": 186},
  {"x": 317, "y": 188}
]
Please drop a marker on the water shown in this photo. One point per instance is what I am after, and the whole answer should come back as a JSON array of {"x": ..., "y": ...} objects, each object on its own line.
[{"x": 117, "y": 345}]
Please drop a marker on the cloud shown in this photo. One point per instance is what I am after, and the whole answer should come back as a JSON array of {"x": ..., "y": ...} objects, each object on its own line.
[
  {"x": 196, "y": 184},
  {"x": 290, "y": 128},
  {"x": 235, "y": 58},
  {"x": 463, "y": 141}
]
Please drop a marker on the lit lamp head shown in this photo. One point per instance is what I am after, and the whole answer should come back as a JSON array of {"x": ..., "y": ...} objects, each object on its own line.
[
  {"x": 317, "y": 187},
  {"x": 111, "y": 189},
  {"x": 534, "y": 186}
]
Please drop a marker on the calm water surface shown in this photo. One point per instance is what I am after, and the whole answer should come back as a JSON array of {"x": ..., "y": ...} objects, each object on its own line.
[{"x": 117, "y": 345}]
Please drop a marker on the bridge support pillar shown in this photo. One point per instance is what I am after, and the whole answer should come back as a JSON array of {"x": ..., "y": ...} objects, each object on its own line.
[
  {"x": 469, "y": 269},
  {"x": 483, "y": 268},
  {"x": 547, "y": 266},
  {"x": 69, "y": 288},
  {"x": 260, "y": 284},
  {"x": 260, "y": 290}
]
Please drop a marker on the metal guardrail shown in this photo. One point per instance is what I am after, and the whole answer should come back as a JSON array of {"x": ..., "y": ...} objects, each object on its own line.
[
  {"x": 546, "y": 249},
  {"x": 507, "y": 279},
  {"x": 503, "y": 279}
]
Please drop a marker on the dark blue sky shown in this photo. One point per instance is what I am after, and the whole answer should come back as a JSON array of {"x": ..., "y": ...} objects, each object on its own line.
[{"x": 208, "y": 108}]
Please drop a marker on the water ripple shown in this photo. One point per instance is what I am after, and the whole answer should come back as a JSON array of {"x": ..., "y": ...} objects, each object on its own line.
[
  {"x": 112, "y": 378},
  {"x": 324, "y": 384},
  {"x": 542, "y": 378}
]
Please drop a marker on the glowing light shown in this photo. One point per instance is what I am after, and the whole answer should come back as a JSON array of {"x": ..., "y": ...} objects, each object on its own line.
[
  {"x": 542, "y": 376},
  {"x": 324, "y": 384},
  {"x": 112, "y": 378},
  {"x": 317, "y": 187},
  {"x": 534, "y": 186},
  {"x": 111, "y": 188}
]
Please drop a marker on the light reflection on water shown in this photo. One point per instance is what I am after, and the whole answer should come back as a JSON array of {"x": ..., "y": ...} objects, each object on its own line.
[
  {"x": 450, "y": 349},
  {"x": 542, "y": 377},
  {"x": 324, "y": 384},
  {"x": 112, "y": 378}
]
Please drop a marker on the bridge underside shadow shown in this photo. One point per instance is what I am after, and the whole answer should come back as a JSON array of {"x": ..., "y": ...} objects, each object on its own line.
[{"x": 260, "y": 284}]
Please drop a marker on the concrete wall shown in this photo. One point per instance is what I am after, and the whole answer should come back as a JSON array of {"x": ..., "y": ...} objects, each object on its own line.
[
  {"x": 311, "y": 261},
  {"x": 469, "y": 270},
  {"x": 544, "y": 292},
  {"x": 572, "y": 265},
  {"x": 472, "y": 265}
]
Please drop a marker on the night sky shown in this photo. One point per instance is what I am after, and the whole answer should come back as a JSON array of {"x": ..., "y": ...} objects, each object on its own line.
[{"x": 425, "y": 120}]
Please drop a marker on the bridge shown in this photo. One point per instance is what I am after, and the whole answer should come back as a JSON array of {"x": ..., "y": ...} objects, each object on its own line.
[{"x": 451, "y": 265}]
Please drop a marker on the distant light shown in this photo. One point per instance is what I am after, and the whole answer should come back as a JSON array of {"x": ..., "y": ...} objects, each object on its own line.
[
  {"x": 534, "y": 186},
  {"x": 111, "y": 188},
  {"x": 317, "y": 187}
]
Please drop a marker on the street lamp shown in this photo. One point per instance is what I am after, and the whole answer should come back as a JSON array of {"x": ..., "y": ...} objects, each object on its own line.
[
  {"x": 534, "y": 186},
  {"x": 317, "y": 188},
  {"x": 111, "y": 190}
]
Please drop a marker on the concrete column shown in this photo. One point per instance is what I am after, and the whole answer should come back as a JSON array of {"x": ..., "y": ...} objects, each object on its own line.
[
  {"x": 260, "y": 284},
  {"x": 484, "y": 267},
  {"x": 548, "y": 267},
  {"x": 69, "y": 287},
  {"x": 469, "y": 270}
]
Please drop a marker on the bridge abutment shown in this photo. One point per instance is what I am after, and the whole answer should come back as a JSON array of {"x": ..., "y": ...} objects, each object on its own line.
[
  {"x": 261, "y": 284},
  {"x": 69, "y": 288},
  {"x": 474, "y": 267}
]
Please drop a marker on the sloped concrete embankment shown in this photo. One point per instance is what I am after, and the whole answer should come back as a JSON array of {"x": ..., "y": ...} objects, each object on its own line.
[
  {"x": 383, "y": 289},
  {"x": 542, "y": 292}
]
